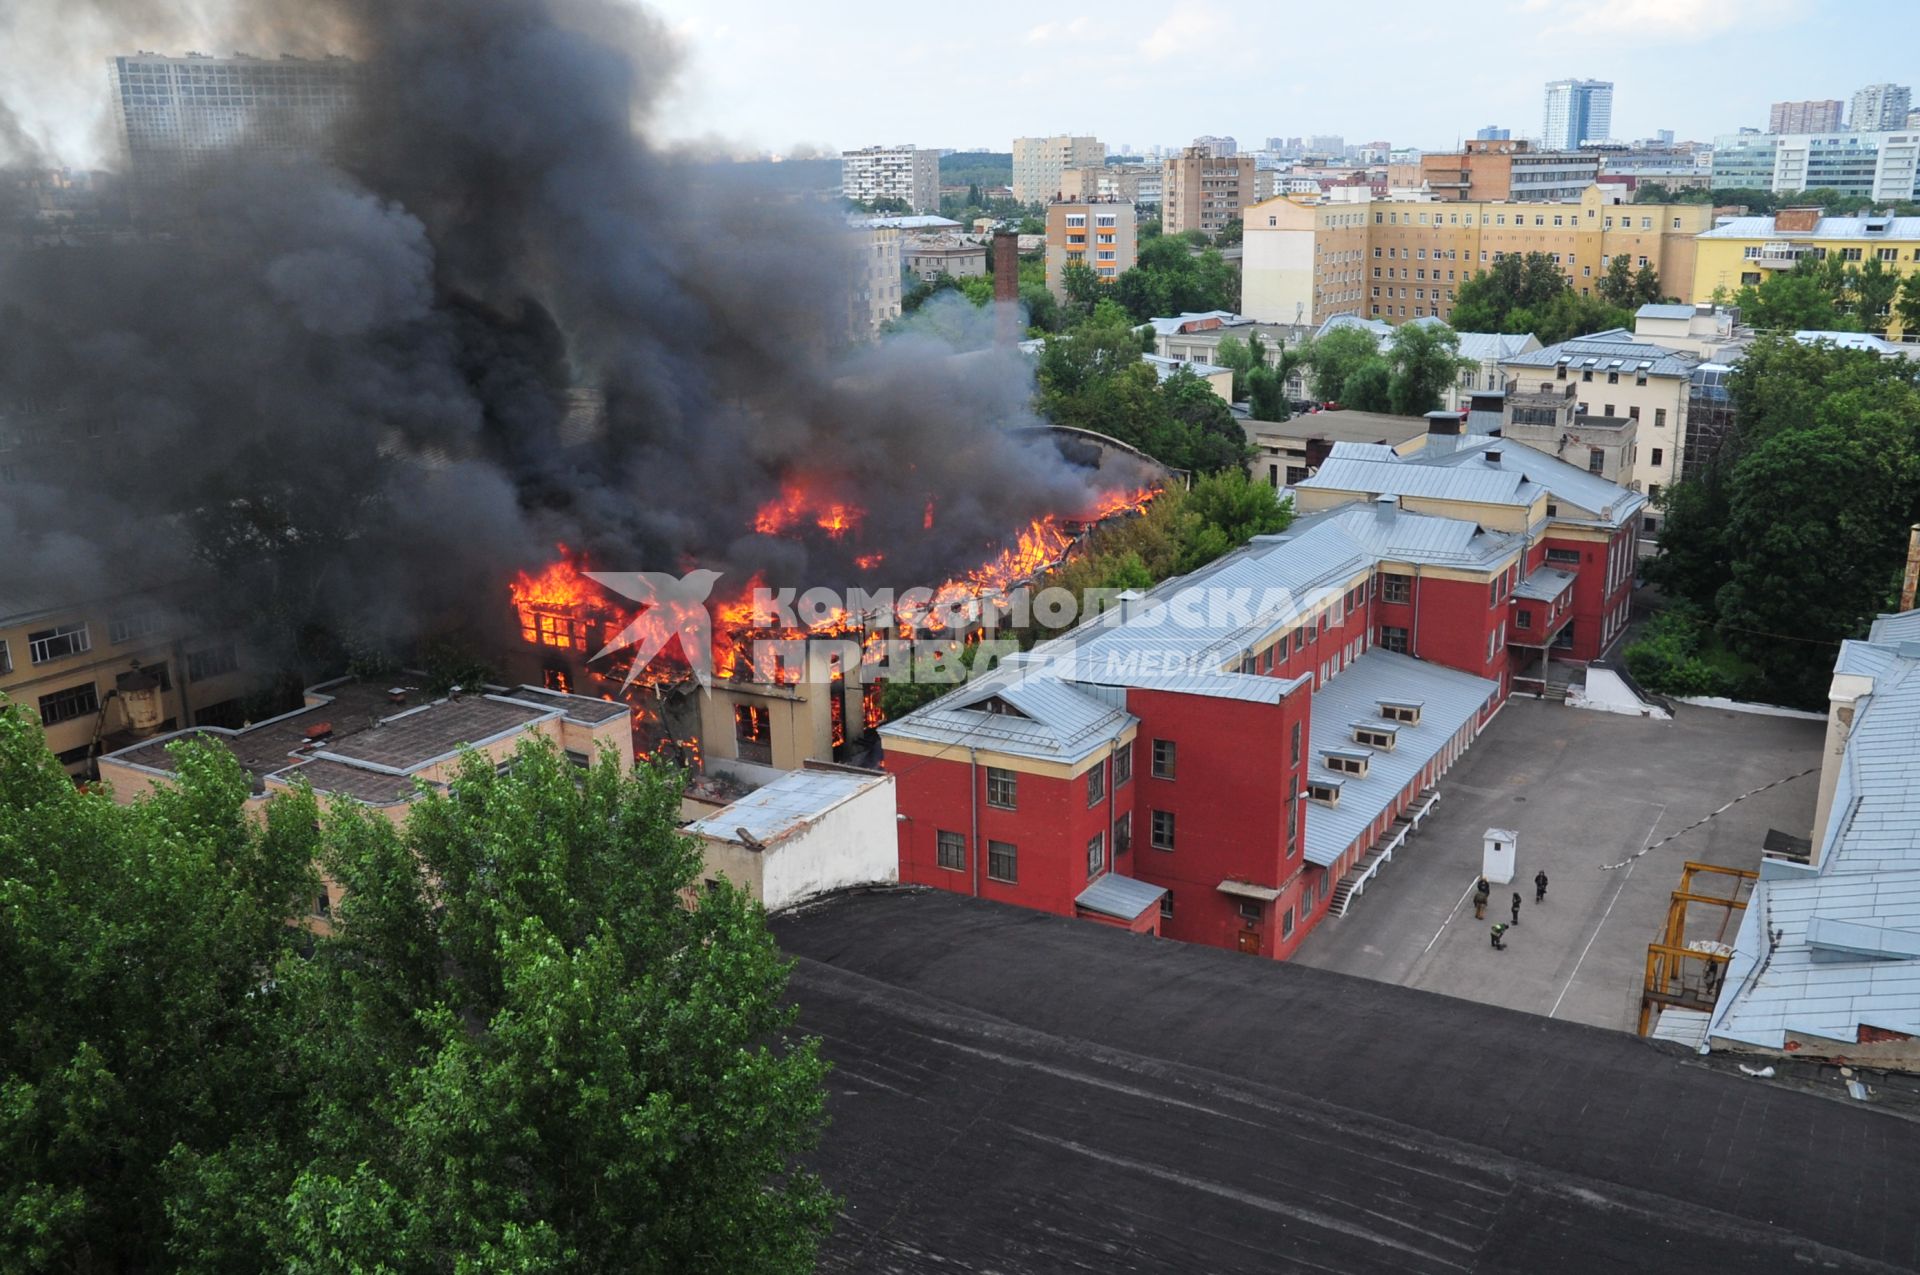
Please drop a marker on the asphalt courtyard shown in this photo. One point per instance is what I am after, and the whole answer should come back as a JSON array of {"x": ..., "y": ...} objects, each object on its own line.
[{"x": 1582, "y": 789}]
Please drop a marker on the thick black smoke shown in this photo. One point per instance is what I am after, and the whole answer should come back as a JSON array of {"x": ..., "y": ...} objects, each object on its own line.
[{"x": 362, "y": 389}]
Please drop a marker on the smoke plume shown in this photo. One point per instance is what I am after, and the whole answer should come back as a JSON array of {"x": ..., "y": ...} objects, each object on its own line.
[{"x": 491, "y": 317}]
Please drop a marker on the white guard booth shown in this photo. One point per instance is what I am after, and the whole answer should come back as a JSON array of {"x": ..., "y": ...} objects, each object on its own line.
[{"x": 1498, "y": 857}]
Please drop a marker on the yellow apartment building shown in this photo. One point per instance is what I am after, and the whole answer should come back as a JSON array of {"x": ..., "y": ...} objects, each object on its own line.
[
  {"x": 104, "y": 672},
  {"x": 1306, "y": 260},
  {"x": 1749, "y": 250}
]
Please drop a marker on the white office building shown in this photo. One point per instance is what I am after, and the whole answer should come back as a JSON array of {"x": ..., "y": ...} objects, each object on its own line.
[{"x": 1578, "y": 112}]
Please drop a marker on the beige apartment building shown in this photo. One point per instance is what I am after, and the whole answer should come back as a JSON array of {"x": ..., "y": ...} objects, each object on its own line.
[
  {"x": 106, "y": 673},
  {"x": 1306, "y": 260},
  {"x": 875, "y": 294},
  {"x": 1040, "y": 164},
  {"x": 1200, "y": 192},
  {"x": 1098, "y": 233}
]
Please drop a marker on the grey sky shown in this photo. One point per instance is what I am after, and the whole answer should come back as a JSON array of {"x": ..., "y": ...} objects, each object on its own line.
[
  {"x": 773, "y": 74},
  {"x": 1412, "y": 72}
]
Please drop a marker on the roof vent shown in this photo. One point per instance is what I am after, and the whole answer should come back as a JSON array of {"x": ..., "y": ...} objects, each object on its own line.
[
  {"x": 1385, "y": 507},
  {"x": 1493, "y": 455}
]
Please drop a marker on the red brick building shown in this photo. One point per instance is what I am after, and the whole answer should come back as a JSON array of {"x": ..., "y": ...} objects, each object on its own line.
[{"x": 1224, "y": 759}]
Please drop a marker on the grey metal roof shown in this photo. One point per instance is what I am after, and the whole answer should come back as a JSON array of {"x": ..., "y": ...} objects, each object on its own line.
[
  {"x": 1345, "y": 450},
  {"x": 1567, "y": 485},
  {"x": 1826, "y": 228},
  {"x": 784, "y": 806},
  {"x": 1057, "y": 721},
  {"x": 1123, "y": 897},
  {"x": 1449, "y": 700},
  {"x": 1170, "y": 325},
  {"x": 1496, "y": 346},
  {"x": 1825, "y": 952},
  {"x": 1604, "y": 347},
  {"x": 1381, "y": 331},
  {"x": 1544, "y": 584},
  {"x": 1661, "y": 310},
  {"x": 1406, "y": 477}
]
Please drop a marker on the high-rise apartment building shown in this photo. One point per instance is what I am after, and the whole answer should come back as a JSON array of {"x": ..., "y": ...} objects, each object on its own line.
[
  {"x": 1393, "y": 260},
  {"x": 1135, "y": 183},
  {"x": 906, "y": 173},
  {"x": 174, "y": 113},
  {"x": 1200, "y": 192},
  {"x": 1039, "y": 163},
  {"x": 1218, "y": 147},
  {"x": 1879, "y": 107},
  {"x": 1578, "y": 112},
  {"x": 1493, "y": 133},
  {"x": 1096, "y": 233},
  {"x": 1805, "y": 117}
]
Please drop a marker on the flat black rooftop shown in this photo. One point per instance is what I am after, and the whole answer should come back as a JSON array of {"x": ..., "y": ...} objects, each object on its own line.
[{"x": 1017, "y": 1092}]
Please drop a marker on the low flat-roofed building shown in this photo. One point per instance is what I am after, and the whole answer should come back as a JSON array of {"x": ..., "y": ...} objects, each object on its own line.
[
  {"x": 930, "y": 256},
  {"x": 821, "y": 828},
  {"x": 1291, "y": 451},
  {"x": 375, "y": 743}
]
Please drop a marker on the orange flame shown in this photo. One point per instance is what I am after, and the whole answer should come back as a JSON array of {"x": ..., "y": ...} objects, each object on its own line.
[{"x": 795, "y": 504}]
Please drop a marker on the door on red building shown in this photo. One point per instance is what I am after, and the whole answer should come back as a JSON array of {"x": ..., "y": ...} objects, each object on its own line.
[{"x": 1250, "y": 941}]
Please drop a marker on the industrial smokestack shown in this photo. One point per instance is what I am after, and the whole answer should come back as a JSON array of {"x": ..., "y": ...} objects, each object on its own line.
[
  {"x": 1006, "y": 289},
  {"x": 1910, "y": 582}
]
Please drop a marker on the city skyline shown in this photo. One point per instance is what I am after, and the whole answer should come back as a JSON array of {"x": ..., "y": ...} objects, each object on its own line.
[{"x": 768, "y": 78}]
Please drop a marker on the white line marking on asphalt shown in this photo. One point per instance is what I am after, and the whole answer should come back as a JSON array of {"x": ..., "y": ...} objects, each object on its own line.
[
  {"x": 1575, "y": 972},
  {"x": 1449, "y": 921}
]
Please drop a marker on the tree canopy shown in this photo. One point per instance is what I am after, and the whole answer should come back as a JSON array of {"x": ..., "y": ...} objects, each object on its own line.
[
  {"x": 1831, "y": 295},
  {"x": 1168, "y": 278},
  {"x": 1793, "y": 536},
  {"x": 1093, "y": 378},
  {"x": 1530, "y": 294},
  {"x": 517, "y": 1050},
  {"x": 1408, "y": 376}
]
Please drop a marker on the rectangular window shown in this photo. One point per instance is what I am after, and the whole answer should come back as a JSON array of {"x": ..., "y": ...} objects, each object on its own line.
[
  {"x": 1096, "y": 854},
  {"x": 65, "y": 706},
  {"x": 1523, "y": 619},
  {"x": 212, "y": 662},
  {"x": 1096, "y": 784},
  {"x": 1003, "y": 788},
  {"x": 1122, "y": 764},
  {"x": 1296, "y": 744},
  {"x": 1163, "y": 830},
  {"x": 1570, "y": 556},
  {"x": 1596, "y": 460},
  {"x": 1123, "y": 834},
  {"x": 1003, "y": 861},
  {"x": 1393, "y": 638},
  {"x": 1659, "y": 418},
  {"x": 1163, "y": 758},
  {"x": 1166, "y": 906},
  {"x": 1656, "y": 457},
  {"x": 753, "y": 732},
  {"x": 129, "y": 628},
  {"x": 6, "y": 659},
  {"x": 59, "y": 642},
  {"x": 951, "y": 850}
]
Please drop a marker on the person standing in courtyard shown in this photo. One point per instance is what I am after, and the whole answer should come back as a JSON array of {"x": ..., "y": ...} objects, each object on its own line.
[
  {"x": 1516, "y": 907},
  {"x": 1498, "y": 930},
  {"x": 1481, "y": 893},
  {"x": 1540, "y": 886}
]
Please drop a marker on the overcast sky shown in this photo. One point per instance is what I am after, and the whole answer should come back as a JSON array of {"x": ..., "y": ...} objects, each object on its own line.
[{"x": 773, "y": 73}]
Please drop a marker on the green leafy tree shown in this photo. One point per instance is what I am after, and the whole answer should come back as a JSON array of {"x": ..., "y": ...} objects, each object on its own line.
[
  {"x": 517, "y": 1050},
  {"x": 1233, "y": 232},
  {"x": 1201, "y": 433},
  {"x": 1425, "y": 361},
  {"x": 1530, "y": 294},
  {"x": 1267, "y": 395},
  {"x": 1168, "y": 278},
  {"x": 1333, "y": 358},
  {"x": 1234, "y": 354},
  {"x": 1793, "y": 300},
  {"x": 1908, "y": 305},
  {"x": 1646, "y": 285},
  {"x": 1370, "y": 387},
  {"x": 1870, "y": 292},
  {"x": 1615, "y": 284}
]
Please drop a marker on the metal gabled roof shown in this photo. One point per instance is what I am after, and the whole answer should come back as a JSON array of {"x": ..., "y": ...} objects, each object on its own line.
[
  {"x": 1407, "y": 477},
  {"x": 1449, "y": 700},
  {"x": 1056, "y": 721},
  {"x": 1607, "y": 501},
  {"x": 1600, "y": 349}
]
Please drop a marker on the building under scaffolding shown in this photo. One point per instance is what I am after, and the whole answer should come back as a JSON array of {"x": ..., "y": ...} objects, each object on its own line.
[{"x": 1688, "y": 965}]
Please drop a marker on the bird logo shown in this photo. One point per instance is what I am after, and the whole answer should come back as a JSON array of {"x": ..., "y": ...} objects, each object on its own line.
[{"x": 670, "y": 607}]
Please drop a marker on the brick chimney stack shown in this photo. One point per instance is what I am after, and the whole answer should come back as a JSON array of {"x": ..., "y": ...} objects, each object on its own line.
[
  {"x": 1910, "y": 582},
  {"x": 1006, "y": 289}
]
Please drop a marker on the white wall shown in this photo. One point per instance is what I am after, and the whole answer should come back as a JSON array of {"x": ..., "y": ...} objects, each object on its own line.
[
  {"x": 1276, "y": 275},
  {"x": 855, "y": 843}
]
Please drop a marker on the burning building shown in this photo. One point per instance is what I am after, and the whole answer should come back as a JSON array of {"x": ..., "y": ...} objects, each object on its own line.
[{"x": 786, "y": 676}]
